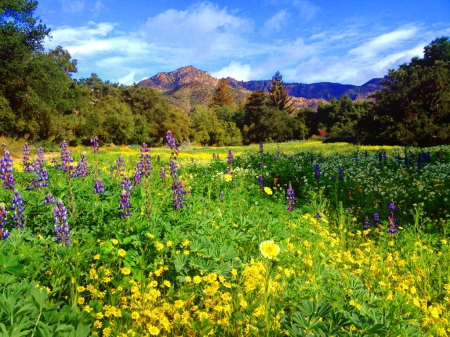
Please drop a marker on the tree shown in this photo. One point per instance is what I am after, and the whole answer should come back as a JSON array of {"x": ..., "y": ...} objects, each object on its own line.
[
  {"x": 279, "y": 97},
  {"x": 222, "y": 96},
  {"x": 413, "y": 105}
]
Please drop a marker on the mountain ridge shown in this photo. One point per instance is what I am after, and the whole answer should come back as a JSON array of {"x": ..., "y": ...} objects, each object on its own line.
[{"x": 189, "y": 86}]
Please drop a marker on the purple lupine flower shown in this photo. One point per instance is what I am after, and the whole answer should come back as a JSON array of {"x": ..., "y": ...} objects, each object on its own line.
[
  {"x": 146, "y": 165},
  {"x": 392, "y": 207},
  {"x": 61, "y": 227},
  {"x": 366, "y": 223},
  {"x": 221, "y": 195},
  {"x": 290, "y": 198},
  {"x": 94, "y": 144},
  {"x": 99, "y": 187},
  {"x": 6, "y": 167},
  {"x": 376, "y": 220},
  {"x": 318, "y": 215},
  {"x": 366, "y": 153},
  {"x": 317, "y": 172},
  {"x": 124, "y": 204},
  {"x": 261, "y": 149},
  {"x": 341, "y": 173},
  {"x": 230, "y": 158},
  {"x": 40, "y": 158},
  {"x": 120, "y": 164},
  {"x": 126, "y": 184},
  {"x": 380, "y": 157},
  {"x": 261, "y": 181},
  {"x": 261, "y": 165},
  {"x": 41, "y": 179},
  {"x": 162, "y": 174},
  {"x": 137, "y": 173},
  {"x": 172, "y": 143},
  {"x": 178, "y": 194},
  {"x": 227, "y": 171},
  {"x": 17, "y": 208},
  {"x": 49, "y": 199},
  {"x": 82, "y": 169},
  {"x": 66, "y": 156},
  {"x": 26, "y": 158},
  {"x": 3, "y": 221},
  {"x": 173, "y": 168},
  {"x": 392, "y": 224}
]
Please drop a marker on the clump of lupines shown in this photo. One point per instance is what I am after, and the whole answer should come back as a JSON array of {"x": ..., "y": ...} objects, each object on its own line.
[
  {"x": 3, "y": 221},
  {"x": 17, "y": 208},
  {"x": 261, "y": 149},
  {"x": 6, "y": 167},
  {"x": 376, "y": 220},
  {"x": 61, "y": 227},
  {"x": 367, "y": 224},
  {"x": 26, "y": 159},
  {"x": 120, "y": 166},
  {"x": 290, "y": 198},
  {"x": 145, "y": 159}
]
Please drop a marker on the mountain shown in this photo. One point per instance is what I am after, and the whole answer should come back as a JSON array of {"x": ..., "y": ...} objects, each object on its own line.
[{"x": 188, "y": 86}]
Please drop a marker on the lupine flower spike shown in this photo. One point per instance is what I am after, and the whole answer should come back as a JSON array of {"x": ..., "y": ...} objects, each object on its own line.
[
  {"x": 61, "y": 227},
  {"x": 290, "y": 198}
]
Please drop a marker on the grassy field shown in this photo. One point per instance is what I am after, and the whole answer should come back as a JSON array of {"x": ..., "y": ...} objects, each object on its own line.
[{"x": 291, "y": 239}]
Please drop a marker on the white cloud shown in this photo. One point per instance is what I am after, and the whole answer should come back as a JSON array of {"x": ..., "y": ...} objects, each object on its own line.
[
  {"x": 307, "y": 10},
  {"x": 384, "y": 42},
  {"x": 236, "y": 70},
  {"x": 127, "y": 79},
  {"x": 276, "y": 22}
]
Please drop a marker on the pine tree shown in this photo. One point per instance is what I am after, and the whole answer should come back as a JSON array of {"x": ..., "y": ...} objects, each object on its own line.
[
  {"x": 279, "y": 96},
  {"x": 222, "y": 95}
]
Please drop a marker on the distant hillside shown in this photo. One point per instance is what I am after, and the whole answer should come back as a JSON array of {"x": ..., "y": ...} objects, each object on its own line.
[{"x": 188, "y": 86}]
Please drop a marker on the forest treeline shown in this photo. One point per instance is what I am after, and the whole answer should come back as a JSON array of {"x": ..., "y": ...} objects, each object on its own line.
[{"x": 41, "y": 102}]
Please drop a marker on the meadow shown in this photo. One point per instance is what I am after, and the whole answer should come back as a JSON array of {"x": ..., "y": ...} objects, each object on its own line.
[{"x": 291, "y": 239}]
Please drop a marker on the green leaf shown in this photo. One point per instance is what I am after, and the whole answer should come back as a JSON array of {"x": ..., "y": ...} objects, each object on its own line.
[{"x": 10, "y": 264}]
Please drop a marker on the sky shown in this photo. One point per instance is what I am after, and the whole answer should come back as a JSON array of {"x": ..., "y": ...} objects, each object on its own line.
[{"x": 341, "y": 41}]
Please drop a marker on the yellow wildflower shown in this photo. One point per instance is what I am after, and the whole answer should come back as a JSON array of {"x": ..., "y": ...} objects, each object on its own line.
[
  {"x": 228, "y": 177},
  {"x": 126, "y": 271},
  {"x": 96, "y": 256},
  {"x": 268, "y": 190},
  {"x": 269, "y": 249},
  {"x": 114, "y": 241},
  {"x": 122, "y": 252}
]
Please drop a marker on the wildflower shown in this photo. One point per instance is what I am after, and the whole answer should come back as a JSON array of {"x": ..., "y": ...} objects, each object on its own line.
[
  {"x": 17, "y": 208},
  {"x": 178, "y": 194},
  {"x": 124, "y": 204},
  {"x": 376, "y": 219},
  {"x": 99, "y": 187},
  {"x": 80, "y": 301},
  {"x": 366, "y": 223},
  {"x": 268, "y": 190},
  {"x": 97, "y": 257},
  {"x": 153, "y": 330},
  {"x": 162, "y": 174},
  {"x": 290, "y": 198},
  {"x": 261, "y": 181},
  {"x": 3, "y": 220},
  {"x": 228, "y": 177},
  {"x": 230, "y": 158},
  {"x": 61, "y": 227},
  {"x": 317, "y": 172},
  {"x": 7, "y": 170},
  {"x": 172, "y": 143},
  {"x": 66, "y": 157},
  {"x": 49, "y": 199},
  {"x": 341, "y": 174},
  {"x": 94, "y": 144},
  {"x": 120, "y": 166},
  {"x": 146, "y": 165},
  {"x": 269, "y": 249},
  {"x": 392, "y": 207},
  {"x": 82, "y": 168},
  {"x": 26, "y": 159},
  {"x": 221, "y": 195},
  {"x": 125, "y": 271},
  {"x": 121, "y": 252}
]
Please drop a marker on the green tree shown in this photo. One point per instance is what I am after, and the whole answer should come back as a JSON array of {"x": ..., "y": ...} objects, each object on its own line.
[
  {"x": 222, "y": 96},
  {"x": 279, "y": 97},
  {"x": 413, "y": 105}
]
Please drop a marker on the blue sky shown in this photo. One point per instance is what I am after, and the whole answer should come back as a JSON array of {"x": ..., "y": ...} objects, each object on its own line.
[{"x": 342, "y": 41}]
